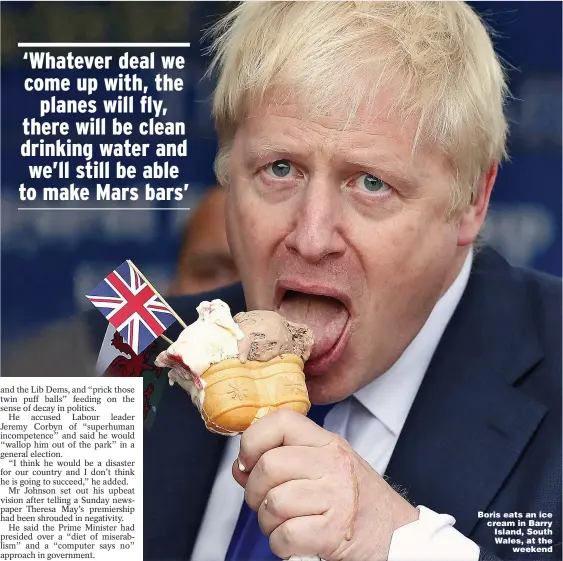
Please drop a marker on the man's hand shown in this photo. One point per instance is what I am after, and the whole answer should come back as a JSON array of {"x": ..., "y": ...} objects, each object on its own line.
[{"x": 314, "y": 494}]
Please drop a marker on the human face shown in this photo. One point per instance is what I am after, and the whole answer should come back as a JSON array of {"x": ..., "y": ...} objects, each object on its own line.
[{"x": 347, "y": 232}]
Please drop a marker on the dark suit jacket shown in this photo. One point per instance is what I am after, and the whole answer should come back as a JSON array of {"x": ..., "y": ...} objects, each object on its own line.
[{"x": 483, "y": 435}]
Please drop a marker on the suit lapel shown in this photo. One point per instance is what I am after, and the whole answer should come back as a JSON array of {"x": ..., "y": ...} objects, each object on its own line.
[
  {"x": 180, "y": 461},
  {"x": 469, "y": 424}
]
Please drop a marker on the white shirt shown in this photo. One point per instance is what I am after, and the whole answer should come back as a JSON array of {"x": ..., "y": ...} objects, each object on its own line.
[{"x": 371, "y": 421}]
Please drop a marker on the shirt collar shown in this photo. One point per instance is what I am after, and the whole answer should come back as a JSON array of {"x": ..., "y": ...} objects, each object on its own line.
[{"x": 390, "y": 396}]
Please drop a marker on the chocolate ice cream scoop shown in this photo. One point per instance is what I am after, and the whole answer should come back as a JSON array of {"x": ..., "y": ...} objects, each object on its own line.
[{"x": 267, "y": 334}]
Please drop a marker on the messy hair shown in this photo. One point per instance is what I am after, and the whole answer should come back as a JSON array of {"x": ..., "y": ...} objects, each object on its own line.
[{"x": 436, "y": 58}]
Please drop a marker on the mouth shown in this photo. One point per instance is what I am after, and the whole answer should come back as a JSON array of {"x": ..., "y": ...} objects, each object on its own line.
[{"x": 326, "y": 311}]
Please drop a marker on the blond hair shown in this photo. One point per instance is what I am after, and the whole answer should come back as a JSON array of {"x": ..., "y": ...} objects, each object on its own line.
[{"x": 435, "y": 57}]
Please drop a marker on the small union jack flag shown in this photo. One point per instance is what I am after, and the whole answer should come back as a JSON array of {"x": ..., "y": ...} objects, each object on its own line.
[{"x": 132, "y": 306}]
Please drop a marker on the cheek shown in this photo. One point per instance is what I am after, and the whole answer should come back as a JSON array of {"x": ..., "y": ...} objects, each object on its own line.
[
  {"x": 384, "y": 244},
  {"x": 239, "y": 225},
  {"x": 230, "y": 221},
  {"x": 403, "y": 248},
  {"x": 250, "y": 231}
]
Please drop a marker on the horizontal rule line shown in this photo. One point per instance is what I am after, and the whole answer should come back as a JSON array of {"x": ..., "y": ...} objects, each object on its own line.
[
  {"x": 98, "y": 208},
  {"x": 32, "y": 45}
]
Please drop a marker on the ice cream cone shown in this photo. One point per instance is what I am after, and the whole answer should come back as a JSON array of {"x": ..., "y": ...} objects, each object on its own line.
[{"x": 236, "y": 394}]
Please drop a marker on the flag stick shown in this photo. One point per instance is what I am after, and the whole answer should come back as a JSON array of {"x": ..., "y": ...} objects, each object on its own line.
[
  {"x": 180, "y": 321},
  {"x": 169, "y": 341}
]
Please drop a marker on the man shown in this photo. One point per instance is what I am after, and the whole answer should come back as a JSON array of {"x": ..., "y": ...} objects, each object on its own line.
[
  {"x": 205, "y": 261},
  {"x": 359, "y": 144}
]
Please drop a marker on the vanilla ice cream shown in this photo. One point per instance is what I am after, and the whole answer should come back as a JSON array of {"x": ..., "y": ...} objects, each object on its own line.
[{"x": 213, "y": 337}]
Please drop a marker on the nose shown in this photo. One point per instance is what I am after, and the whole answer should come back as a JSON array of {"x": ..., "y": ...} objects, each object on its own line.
[{"x": 317, "y": 233}]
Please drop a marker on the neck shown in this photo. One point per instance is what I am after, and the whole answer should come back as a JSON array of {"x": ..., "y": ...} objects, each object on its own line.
[{"x": 457, "y": 266}]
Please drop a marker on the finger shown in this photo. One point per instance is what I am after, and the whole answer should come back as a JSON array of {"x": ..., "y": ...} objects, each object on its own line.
[
  {"x": 239, "y": 474},
  {"x": 243, "y": 349},
  {"x": 302, "y": 536},
  {"x": 292, "y": 499},
  {"x": 278, "y": 466},
  {"x": 283, "y": 427}
]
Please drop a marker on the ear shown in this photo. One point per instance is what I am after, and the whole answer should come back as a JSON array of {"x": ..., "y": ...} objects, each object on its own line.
[{"x": 473, "y": 216}]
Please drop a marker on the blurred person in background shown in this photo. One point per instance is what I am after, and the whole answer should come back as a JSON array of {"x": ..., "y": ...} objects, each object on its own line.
[
  {"x": 204, "y": 261},
  {"x": 70, "y": 347}
]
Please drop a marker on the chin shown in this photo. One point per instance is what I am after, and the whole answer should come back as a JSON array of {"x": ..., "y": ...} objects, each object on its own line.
[{"x": 331, "y": 385}]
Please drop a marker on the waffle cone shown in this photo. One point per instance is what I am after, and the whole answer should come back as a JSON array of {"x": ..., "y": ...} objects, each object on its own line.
[{"x": 237, "y": 394}]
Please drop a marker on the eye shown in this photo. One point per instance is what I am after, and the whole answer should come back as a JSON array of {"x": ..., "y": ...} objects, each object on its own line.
[
  {"x": 371, "y": 184},
  {"x": 281, "y": 168}
]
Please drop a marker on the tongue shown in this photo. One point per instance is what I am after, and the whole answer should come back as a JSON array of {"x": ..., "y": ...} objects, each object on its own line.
[{"x": 325, "y": 316}]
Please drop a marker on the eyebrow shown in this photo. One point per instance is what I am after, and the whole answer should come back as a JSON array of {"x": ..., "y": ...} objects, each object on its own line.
[
  {"x": 263, "y": 148},
  {"x": 382, "y": 167}
]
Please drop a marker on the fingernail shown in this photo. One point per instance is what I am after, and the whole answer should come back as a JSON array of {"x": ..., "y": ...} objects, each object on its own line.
[
  {"x": 265, "y": 502},
  {"x": 241, "y": 466}
]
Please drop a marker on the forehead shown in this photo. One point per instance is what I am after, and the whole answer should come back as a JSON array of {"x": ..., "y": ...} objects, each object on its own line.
[
  {"x": 316, "y": 133},
  {"x": 376, "y": 131}
]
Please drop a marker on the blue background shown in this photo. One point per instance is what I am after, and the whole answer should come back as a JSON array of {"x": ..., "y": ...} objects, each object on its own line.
[{"x": 51, "y": 259}]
